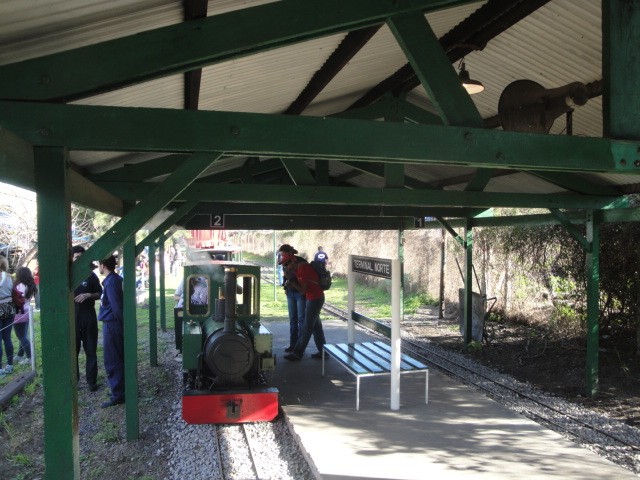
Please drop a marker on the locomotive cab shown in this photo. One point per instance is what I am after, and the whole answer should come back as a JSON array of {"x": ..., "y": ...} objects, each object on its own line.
[{"x": 226, "y": 352}]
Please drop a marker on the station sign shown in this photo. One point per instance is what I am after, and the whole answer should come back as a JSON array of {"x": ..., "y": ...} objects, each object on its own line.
[{"x": 379, "y": 267}]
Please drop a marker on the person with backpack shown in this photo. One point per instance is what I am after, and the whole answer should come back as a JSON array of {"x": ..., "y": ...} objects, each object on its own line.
[
  {"x": 306, "y": 281},
  {"x": 321, "y": 256},
  {"x": 26, "y": 285}
]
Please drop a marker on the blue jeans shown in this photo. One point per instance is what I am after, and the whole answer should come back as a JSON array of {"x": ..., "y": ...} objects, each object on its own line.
[
  {"x": 113, "y": 347},
  {"x": 312, "y": 326},
  {"x": 296, "y": 303},
  {"x": 5, "y": 334},
  {"x": 22, "y": 332}
]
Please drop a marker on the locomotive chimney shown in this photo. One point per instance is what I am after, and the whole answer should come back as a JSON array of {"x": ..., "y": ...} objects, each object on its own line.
[
  {"x": 230, "y": 281},
  {"x": 220, "y": 303}
]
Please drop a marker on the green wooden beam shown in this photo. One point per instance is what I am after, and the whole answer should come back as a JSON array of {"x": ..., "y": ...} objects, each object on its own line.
[
  {"x": 375, "y": 111},
  {"x": 621, "y": 69},
  {"x": 394, "y": 175},
  {"x": 416, "y": 114},
  {"x": 447, "y": 226},
  {"x": 621, "y": 215},
  {"x": 361, "y": 196},
  {"x": 87, "y": 193},
  {"x": 480, "y": 180},
  {"x": 298, "y": 171},
  {"x": 593, "y": 303},
  {"x": 432, "y": 66},
  {"x": 389, "y": 105},
  {"x": 132, "y": 415},
  {"x": 59, "y": 359},
  {"x": 163, "y": 309},
  {"x": 511, "y": 221},
  {"x": 606, "y": 216},
  {"x": 16, "y": 160},
  {"x": 171, "y": 220},
  {"x": 195, "y": 44},
  {"x": 570, "y": 227},
  {"x": 17, "y": 167},
  {"x": 153, "y": 307},
  {"x": 468, "y": 284},
  {"x": 296, "y": 209},
  {"x": 241, "y": 173},
  {"x": 141, "y": 171},
  {"x": 150, "y": 129},
  {"x": 159, "y": 196},
  {"x": 377, "y": 170},
  {"x": 575, "y": 183},
  {"x": 284, "y": 222}
]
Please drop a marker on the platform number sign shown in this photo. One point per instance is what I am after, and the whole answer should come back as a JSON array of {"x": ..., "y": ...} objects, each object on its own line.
[
  {"x": 217, "y": 221},
  {"x": 421, "y": 222},
  {"x": 203, "y": 221}
]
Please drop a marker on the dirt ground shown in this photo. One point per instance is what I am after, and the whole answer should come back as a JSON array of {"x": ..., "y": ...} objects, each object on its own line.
[
  {"x": 555, "y": 364},
  {"x": 104, "y": 451}
]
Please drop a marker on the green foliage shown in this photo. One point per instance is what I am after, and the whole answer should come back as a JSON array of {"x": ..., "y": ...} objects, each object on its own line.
[
  {"x": 548, "y": 259},
  {"x": 413, "y": 301},
  {"x": 109, "y": 432},
  {"x": 20, "y": 460},
  {"x": 563, "y": 286},
  {"x": 474, "y": 347},
  {"x": 6, "y": 427},
  {"x": 565, "y": 318}
]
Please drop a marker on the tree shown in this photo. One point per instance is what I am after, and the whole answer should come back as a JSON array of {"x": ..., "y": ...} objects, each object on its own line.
[{"x": 19, "y": 228}]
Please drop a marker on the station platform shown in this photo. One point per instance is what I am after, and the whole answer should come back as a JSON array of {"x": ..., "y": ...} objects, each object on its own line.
[{"x": 459, "y": 434}]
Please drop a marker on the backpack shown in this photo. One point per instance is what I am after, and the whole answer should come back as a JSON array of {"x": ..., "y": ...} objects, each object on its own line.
[
  {"x": 324, "y": 275},
  {"x": 18, "y": 300}
]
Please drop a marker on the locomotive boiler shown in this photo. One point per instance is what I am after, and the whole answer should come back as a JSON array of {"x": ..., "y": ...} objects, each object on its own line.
[{"x": 227, "y": 354}]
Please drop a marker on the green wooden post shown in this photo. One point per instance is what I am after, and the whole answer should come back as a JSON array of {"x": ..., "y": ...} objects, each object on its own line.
[
  {"x": 621, "y": 69},
  {"x": 593, "y": 306},
  {"x": 468, "y": 283},
  {"x": 153, "y": 319},
  {"x": 401, "y": 258},
  {"x": 130, "y": 340},
  {"x": 275, "y": 266},
  {"x": 163, "y": 300},
  {"x": 61, "y": 440}
]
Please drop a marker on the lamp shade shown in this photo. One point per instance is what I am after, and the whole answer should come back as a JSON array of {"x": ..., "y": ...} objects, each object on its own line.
[{"x": 470, "y": 85}]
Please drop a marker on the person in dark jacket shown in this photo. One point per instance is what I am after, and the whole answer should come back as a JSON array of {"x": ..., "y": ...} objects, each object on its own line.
[
  {"x": 112, "y": 318},
  {"x": 84, "y": 297}
]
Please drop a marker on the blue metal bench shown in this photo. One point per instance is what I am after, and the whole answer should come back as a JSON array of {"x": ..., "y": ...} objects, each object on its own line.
[{"x": 367, "y": 359}]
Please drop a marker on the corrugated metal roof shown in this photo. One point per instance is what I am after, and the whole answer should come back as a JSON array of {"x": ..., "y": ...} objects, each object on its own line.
[{"x": 557, "y": 44}]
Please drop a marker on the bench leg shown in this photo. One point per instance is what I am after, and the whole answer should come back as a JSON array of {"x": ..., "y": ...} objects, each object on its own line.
[
  {"x": 426, "y": 388},
  {"x": 357, "y": 393}
]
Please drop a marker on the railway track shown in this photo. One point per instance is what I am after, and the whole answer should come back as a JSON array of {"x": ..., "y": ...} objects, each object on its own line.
[{"x": 235, "y": 449}]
